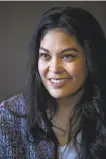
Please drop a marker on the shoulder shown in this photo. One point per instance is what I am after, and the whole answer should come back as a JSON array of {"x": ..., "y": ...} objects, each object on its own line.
[
  {"x": 12, "y": 112},
  {"x": 12, "y": 124},
  {"x": 16, "y": 104},
  {"x": 13, "y": 137}
]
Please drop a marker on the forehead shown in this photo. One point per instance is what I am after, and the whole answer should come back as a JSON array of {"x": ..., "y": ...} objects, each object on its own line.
[
  {"x": 59, "y": 34},
  {"x": 59, "y": 39}
]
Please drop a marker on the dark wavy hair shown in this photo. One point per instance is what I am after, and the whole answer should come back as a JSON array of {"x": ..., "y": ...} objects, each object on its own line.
[{"x": 90, "y": 113}]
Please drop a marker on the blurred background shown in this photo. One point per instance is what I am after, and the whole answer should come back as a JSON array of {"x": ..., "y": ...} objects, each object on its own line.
[{"x": 17, "y": 23}]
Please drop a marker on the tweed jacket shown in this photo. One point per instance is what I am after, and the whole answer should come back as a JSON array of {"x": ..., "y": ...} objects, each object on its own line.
[{"x": 13, "y": 139}]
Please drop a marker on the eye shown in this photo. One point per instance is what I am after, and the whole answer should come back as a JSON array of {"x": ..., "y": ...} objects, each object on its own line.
[
  {"x": 68, "y": 57},
  {"x": 44, "y": 56}
]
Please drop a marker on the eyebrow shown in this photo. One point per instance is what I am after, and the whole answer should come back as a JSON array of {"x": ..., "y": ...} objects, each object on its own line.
[{"x": 65, "y": 50}]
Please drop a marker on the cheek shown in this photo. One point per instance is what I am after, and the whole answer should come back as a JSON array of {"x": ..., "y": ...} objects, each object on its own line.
[
  {"x": 80, "y": 70},
  {"x": 42, "y": 69},
  {"x": 77, "y": 69}
]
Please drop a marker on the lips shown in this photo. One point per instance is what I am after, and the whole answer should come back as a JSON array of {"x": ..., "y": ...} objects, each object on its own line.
[
  {"x": 58, "y": 80},
  {"x": 57, "y": 83}
]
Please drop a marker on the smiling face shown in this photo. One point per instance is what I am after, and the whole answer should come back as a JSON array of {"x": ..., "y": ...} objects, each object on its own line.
[{"x": 61, "y": 64}]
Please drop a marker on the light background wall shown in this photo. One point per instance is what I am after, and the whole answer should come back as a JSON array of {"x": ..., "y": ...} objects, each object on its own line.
[{"x": 17, "y": 24}]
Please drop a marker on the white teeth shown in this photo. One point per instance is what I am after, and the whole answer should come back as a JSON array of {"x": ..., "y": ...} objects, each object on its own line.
[{"x": 57, "y": 81}]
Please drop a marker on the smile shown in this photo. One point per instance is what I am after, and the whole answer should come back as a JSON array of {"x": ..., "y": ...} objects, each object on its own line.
[
  {"x": 58, "y": 80},
  {"x": 58, "y": 83}
]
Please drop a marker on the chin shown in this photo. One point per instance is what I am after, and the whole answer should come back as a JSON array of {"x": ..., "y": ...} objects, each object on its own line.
[{"x": 58, "y": 95}]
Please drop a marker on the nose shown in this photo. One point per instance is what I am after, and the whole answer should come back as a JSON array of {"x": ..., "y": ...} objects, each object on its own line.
[{"x": 56, "y": 65}]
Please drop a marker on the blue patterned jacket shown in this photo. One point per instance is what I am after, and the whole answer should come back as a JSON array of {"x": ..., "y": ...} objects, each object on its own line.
[{"x": 13, "y": 140}]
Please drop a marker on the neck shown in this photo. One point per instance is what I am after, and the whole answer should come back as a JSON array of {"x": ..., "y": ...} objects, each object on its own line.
[
  {"x": 65, "y": 110},
  {"x": 65, "y": 105},
  {"x": 62, "y": 117}
]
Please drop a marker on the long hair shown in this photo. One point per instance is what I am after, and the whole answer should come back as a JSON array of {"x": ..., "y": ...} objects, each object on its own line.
[{"x": 89, "y": 114}]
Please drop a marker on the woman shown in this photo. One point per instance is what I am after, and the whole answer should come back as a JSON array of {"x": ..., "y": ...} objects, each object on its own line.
[{"x": 62, "y": 114}]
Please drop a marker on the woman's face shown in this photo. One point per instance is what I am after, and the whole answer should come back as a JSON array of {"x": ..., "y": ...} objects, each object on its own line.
[{"x": 61, "y": 64}]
